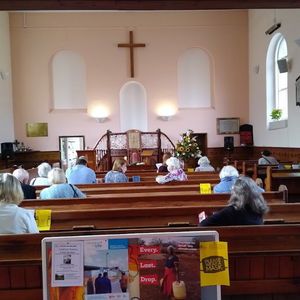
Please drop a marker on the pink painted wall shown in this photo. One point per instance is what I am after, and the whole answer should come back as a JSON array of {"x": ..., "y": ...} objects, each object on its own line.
[{"x": 95, "y": 35}]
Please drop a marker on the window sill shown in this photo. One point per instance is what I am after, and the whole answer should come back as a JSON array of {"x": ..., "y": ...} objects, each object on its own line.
[{"x": 273, "y": 125}]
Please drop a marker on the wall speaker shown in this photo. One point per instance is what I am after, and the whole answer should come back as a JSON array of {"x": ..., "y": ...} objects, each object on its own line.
[
  {"x": 7, "y": 151},
  {"x": 228, "y": 143},
  {"x": 283, "y": 65}
]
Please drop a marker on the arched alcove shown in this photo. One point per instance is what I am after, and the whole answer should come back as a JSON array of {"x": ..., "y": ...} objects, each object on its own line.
[
  {"x": 133, "y": 107},
  {"x": 194, "y": 79},
  {"x": 68, "y": 80}
]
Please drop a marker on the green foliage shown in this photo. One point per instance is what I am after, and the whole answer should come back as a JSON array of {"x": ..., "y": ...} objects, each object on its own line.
[{"x": 276, "y": 114}]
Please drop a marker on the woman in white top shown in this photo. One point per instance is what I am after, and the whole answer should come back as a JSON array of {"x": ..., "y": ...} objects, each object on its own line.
[
  {"x": 43, "y": 170},
  {"x": 14, "y": 219}
]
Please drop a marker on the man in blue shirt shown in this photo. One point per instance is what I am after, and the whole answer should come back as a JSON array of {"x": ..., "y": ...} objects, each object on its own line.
[
  {"x": 104, "y": 284},
  {"x": 81, "y": 173}
]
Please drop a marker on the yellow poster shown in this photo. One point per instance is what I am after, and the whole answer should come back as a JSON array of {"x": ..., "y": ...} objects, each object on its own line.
[
  {"x": 205, "y": 188},
  {"x": 214, "y": 263},
  {"x": 190, "y": 170},
  {"x": 43, "y": 219}
]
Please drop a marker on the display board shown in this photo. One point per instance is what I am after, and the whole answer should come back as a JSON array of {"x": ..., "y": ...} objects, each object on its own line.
[{"x": 125, "y": 266}]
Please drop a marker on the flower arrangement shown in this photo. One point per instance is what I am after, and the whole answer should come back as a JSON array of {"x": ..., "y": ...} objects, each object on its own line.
[
  {"x": 187, "y": 148},
  {"x": 276, "y": 114}
]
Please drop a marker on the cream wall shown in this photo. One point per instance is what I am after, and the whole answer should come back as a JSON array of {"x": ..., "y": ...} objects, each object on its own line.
[
  {"x": 95, "y": 35},
  {"x": 259, "y": 22},
  {"x": 6, "y": 104}
]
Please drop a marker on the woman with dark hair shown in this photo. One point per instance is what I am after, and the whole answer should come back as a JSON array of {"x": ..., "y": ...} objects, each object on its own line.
[
  {"x": 246, "y": 206},
  {"x": 267, "y": 159},
  {"x": 171, "y": 272},
  {"x": 164, "y": 166},
  {"x": 117, "y": 174}
]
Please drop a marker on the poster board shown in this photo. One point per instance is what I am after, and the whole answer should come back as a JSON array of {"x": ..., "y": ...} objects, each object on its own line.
[{"x": 71, "y": 265}]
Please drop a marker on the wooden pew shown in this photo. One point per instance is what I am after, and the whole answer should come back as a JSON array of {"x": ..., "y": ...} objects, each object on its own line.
[
  {"x": 288, "y": 177},
  {"x": 140, "y": 210},
  {"x": 263, "y": 261}
]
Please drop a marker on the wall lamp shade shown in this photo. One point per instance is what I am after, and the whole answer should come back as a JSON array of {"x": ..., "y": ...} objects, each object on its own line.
[
  {"x": 4, "y": 75},
  {"x": 100, "y": 120},
  {"x": 166, "y": 118}
]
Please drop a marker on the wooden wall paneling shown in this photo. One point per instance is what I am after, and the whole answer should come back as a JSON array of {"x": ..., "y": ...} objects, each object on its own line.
[
  {"x": 286, "y": 267},
  {"x": 272, "y": 267},
  {"x": 17, "y": 277},
  {"x": 297, "y": 266},
  {"x": 231, "y": 266},
  {"x": 242, "y": 268},
  {"x": 33, "y": 276},
  {"x": 4, "y": 278},
  {"x": 257, "y": 265}
]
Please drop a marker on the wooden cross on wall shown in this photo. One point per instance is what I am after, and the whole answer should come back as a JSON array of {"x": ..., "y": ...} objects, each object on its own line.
[{"x": 131, "y": 45}]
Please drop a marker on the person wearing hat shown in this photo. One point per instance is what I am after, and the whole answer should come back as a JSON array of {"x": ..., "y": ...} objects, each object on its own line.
[{"x": 81, "y": 173}]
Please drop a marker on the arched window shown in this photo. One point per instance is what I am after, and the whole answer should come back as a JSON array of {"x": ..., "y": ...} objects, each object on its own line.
[
  {"x": 68, "y": 80},
  {"x": 194, "y": 79},
  {"x": 281, "y": 100},
  {"x": 276, "y": 82}
]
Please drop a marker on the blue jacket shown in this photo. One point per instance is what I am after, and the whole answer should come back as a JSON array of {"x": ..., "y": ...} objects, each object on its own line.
[{"x": 225, "y": 185}]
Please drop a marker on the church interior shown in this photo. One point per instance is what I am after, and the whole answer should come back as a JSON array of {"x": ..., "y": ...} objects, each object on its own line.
[{"x": 127, "y": 78}]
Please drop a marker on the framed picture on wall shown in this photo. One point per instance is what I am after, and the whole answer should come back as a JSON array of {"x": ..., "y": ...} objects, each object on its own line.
[
  {"x": 228, "y": 125},
  {"x": 297, "y": 83}
]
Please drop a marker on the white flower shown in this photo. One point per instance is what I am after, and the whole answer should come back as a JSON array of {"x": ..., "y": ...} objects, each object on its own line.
[{"x": 190, "y": 144}]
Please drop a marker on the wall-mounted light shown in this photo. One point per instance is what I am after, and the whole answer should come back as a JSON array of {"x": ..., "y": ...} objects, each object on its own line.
[
  {"x": 166, "y": 112},
  {"x": 4, "y": 75},
  {"x": 100, "y": 114},
  {"x": 166, "y": 118},
  {"x": 100, "y": 120}
]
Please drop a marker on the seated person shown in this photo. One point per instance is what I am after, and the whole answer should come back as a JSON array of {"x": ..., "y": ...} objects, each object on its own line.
[
  {"x": 14, "y": 219},
  {"x": 175, "y": 172},
  {"x": 204, "y": 165},
  {"x": 164, "y": 167},
  {"x": 267, "y": 159},
  {"x": 228, "y": 176},
  {"x": 43, "y": 170},
  {"x": 246, "y": 206},
  {"x": 59, "y": 188},
  {"x": 81, "y": 173},
  {"x": 117, "y": 174},
  {"x": 23, "y": 176}
]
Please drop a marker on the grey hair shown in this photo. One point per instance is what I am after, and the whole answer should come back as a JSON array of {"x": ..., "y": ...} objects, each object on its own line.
[
  {"x": 246, "y": 192},
  {"x": 10, "y": 189},
  {"x": 228, "y": 171},
  {"x": 203, "y": 160},
  {"x": 57, "y": 176},
  {"x": 21, "y": 174},
  {"x": 44, "y": 169},
  {"x": 173, "y": 162}
]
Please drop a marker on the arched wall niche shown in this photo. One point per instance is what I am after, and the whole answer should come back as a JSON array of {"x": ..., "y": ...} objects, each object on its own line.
[{"x": 133, "y": 107}]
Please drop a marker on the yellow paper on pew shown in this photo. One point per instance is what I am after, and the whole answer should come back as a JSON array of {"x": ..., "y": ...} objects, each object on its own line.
[
  {"x": 43, "y": 219},
  {"x": 190, "y": 170},
  {"x": 205, "y": 188},
  {"x": 214, "y": 263}
]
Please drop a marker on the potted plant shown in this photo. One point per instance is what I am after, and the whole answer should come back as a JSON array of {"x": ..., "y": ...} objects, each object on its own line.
[{"x": 276, "y": 114}]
